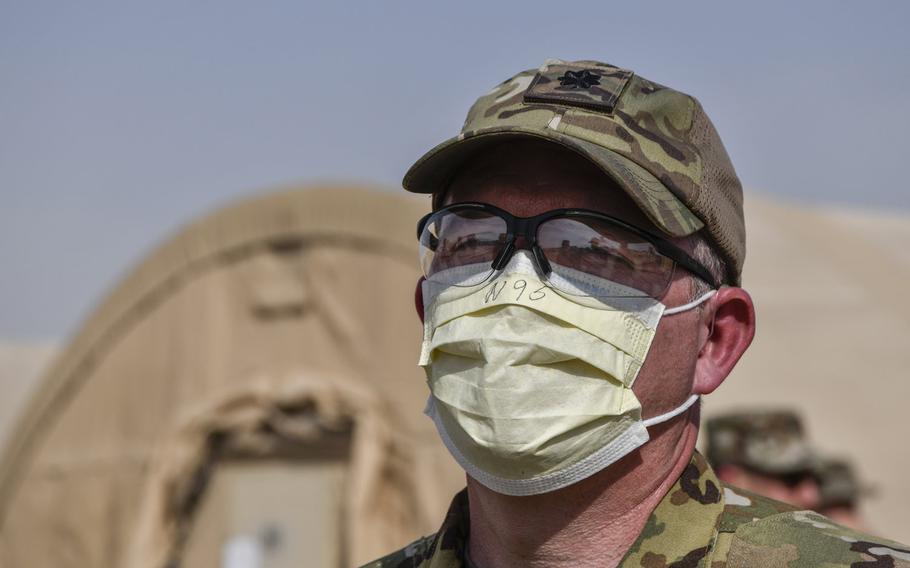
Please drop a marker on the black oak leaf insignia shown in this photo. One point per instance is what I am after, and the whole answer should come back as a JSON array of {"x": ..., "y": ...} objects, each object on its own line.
[{"x": 583, "y": 79}]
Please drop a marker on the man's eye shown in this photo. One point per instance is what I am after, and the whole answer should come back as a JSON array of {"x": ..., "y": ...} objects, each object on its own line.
[
  {"x": 473, "y": 242},
  {"x": 460, "y": 244},
  {"x": 610, "y": 257}
]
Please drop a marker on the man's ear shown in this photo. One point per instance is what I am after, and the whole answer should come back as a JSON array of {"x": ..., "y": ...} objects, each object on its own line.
[
  {"x": 728, "y": 328},
  {"x": 418, "y": 298}
]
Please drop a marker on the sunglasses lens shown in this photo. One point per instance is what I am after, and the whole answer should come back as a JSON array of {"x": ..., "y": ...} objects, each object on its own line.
[
  {"x": 592, "y": 257},
  {"x": 458, "y": 246}
]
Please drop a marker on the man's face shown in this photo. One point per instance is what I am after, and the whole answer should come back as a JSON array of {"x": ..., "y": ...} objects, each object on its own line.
[
  {"x": 801, "y": 491},
  {"x": 527, "y": 178}
]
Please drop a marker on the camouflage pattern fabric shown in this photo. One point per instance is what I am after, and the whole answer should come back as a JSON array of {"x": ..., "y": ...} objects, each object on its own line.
[
  {"x": 772, "y": 442},
  {"x": 838, "y": 484},
  {"x": 700, "y": 523},
  {"x": 657, "y": 143}
]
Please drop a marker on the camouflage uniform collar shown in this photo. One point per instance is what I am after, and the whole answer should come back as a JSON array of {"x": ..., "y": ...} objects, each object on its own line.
[
  {"x": 682, "y": 529},
  {"x": 679, "y": 533},
  {"x": 698, "y": 524},
  {"x": 449, "y": 546}
]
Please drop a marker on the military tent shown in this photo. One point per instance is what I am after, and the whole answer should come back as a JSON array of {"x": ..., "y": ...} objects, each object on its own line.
[
  {"x": 247, "y": 396},
  {"x": 21, "y": 364}
]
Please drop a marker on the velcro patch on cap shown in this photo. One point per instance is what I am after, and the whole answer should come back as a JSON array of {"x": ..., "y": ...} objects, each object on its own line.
[{"x": 595, "y": 86}]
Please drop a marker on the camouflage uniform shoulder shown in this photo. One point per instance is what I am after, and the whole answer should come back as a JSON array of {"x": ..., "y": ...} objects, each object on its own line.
[
  {"x": 780, "y": 535},
  {"x": 411, "y": 556},
  {"x": 741, "y": 507}
]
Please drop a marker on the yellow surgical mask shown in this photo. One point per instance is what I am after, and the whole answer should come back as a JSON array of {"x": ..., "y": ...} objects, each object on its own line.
[{"x": 531, "y": 390}]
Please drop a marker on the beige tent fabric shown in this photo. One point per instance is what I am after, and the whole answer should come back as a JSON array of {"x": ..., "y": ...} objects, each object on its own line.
[
  {"x": 21, "y": 365},
  {"x": 256, "y": 421},
  {"x": 315, "y": 283}
]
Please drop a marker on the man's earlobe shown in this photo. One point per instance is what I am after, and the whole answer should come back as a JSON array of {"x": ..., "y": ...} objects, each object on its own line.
[
  {"x": 418, "y": 298},
  {"x": 729, "y": 327}
]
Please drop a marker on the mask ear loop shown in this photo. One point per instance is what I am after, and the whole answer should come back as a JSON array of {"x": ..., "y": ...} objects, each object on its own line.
[
  {"x": 672, "y": 414},
  {"x": 700, "y": 300},
  {"x": 686, "y": 307},
  {"x": 692, "y": 399}
]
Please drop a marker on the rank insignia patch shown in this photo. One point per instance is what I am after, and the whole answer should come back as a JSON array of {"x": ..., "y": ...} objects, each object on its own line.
[
  {"x": 594, "y": 87},
  {"x": 583, "y": 79}
]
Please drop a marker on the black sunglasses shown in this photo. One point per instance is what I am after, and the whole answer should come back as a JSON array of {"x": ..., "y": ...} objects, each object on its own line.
[{"x": 528, "y": 227}]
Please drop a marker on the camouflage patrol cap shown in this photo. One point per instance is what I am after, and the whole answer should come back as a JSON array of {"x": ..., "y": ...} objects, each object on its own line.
[
  {"x": 766, "y": 441},
  {"x": 656, "y": 143},
  {"x": 837, "y": 483}
]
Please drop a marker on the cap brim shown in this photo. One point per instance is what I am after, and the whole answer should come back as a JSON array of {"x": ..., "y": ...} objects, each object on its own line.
[
  {"x": 807, "y": 463},
  {"x": 807, "y": 467},
  {"x": 435, "y": 169}
]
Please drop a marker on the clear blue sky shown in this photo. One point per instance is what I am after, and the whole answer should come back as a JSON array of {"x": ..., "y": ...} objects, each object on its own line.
[{"x": 120, "y": 122}]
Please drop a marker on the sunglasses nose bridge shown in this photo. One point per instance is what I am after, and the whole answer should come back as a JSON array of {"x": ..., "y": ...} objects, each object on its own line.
[
  {"x": 505, "y": 254},
  {"x": 522, "y": 239},
  {"x": 518, "y": 238},
  {"x": 521, "y": 233},
  {"x": 542, "y": 263},
  {"x": 526, "y": 229},
  {"x": 521, "y": 242}
]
